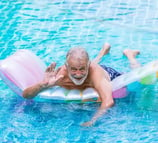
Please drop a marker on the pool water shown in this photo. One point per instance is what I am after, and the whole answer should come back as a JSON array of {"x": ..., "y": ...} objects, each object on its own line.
[{"x": 49, "y": 28}]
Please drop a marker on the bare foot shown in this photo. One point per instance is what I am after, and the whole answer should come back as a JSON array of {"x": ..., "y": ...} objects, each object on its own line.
[
  {"x": 131, "y": 55},
  {"x": 105, "y": 50}
]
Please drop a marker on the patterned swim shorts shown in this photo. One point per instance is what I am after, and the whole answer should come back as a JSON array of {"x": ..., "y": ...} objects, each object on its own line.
[{"x": 112, "y": 73}]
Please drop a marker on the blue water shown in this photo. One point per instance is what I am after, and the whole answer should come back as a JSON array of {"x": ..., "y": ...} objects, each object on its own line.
[{"x": 49, "y": 28}]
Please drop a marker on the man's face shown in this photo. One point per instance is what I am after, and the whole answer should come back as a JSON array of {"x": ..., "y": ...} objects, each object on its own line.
[{"x": 77, "y": 70}]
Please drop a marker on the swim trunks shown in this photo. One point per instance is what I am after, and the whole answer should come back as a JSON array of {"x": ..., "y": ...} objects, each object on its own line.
[{"x": 112, "y": 73}]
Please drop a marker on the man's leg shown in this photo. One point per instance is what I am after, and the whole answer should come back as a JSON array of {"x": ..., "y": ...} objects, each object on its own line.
[
  {"x": 105, "y": 50},
  {"x": 131, "y": 55}
]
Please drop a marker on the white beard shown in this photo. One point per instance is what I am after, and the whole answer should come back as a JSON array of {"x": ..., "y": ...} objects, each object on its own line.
[{"x": 76, "y": 81}]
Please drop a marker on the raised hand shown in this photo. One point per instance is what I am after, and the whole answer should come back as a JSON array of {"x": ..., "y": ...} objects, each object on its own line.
[{"x": 51, "y": 76}]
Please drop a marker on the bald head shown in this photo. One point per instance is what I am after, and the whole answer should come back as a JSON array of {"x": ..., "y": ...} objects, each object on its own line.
[{"x": 77, "y": 53}]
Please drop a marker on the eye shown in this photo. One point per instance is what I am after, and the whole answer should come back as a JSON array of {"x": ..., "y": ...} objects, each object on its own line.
[
  {"x": 82, "y": 69},
  {"x": 73, "y": 69}
]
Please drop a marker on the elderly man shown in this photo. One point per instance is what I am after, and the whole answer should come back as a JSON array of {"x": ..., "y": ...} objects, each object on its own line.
[{"x": 79, "y": 73}]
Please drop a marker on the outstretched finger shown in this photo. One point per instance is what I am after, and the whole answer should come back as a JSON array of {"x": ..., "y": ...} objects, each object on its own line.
[
  {"x": 57, "y": 70},
  {"x": 51, "y": 67},
  {"x": 47, "y": 69}
]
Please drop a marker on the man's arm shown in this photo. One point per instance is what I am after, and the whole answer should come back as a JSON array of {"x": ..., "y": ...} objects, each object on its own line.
[
  {"x": 106, "y": 99},
  {"x": 32, "y": 91},
  {"x": 104, "y": 89},
  {"x": 50, "y": 79}
]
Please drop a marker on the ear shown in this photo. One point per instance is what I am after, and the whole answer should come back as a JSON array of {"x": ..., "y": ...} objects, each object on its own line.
[
  {"x": 88, "y": 64},
  {"x": 66, "y": 64}
]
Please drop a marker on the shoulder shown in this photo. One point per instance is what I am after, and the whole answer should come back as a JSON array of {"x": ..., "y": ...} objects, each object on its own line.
[
  {"x": 96, "y": 69},
  {"x": 97, "y": 72}
]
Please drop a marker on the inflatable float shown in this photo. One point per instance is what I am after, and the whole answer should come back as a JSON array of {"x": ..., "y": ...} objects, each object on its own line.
[{"x": 24, "y": 68}]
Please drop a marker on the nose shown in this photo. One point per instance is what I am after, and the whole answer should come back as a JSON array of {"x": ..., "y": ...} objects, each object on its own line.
[{"x": 78, "y": 73}]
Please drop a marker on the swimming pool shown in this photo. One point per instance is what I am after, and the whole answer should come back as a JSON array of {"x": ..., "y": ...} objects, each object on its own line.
[{"x": 49, "y": 29}]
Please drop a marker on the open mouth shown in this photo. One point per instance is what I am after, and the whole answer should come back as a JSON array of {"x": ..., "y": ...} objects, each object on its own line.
[{"x": 78, "y": 78}]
